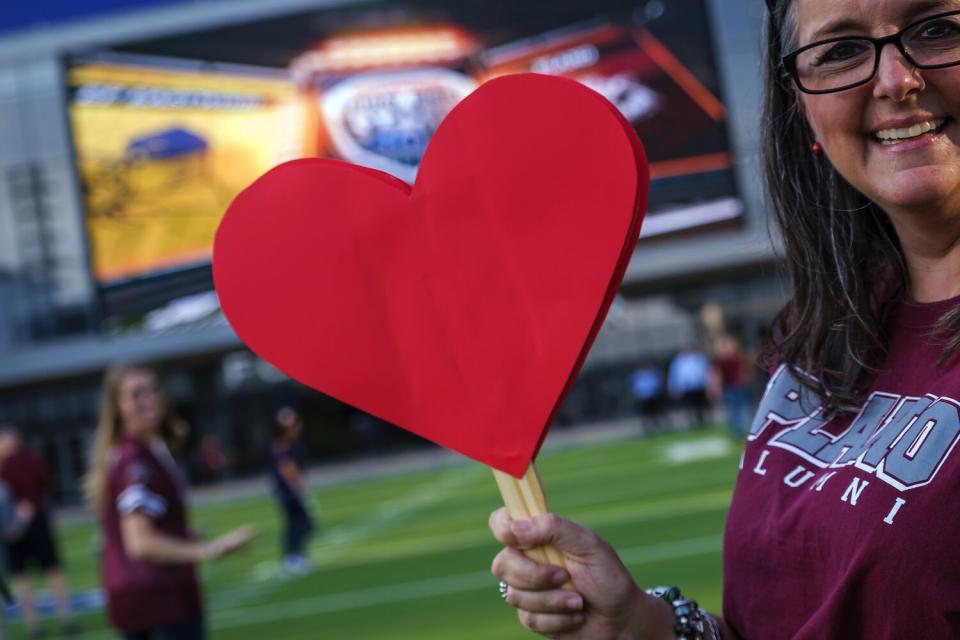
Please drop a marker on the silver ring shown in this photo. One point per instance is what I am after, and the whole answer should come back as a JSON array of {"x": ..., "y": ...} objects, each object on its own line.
[{"x": 503, "y": 589}]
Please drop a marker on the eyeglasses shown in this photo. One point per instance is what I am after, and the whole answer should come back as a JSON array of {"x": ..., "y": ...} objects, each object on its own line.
[{"x": 845, "y": 62}]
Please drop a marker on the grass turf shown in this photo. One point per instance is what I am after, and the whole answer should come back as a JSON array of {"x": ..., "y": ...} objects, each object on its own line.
[{"x": 408, "y": 557}]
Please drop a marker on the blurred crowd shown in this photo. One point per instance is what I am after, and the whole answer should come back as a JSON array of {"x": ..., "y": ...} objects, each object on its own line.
[{"x": 697, "y": 387}]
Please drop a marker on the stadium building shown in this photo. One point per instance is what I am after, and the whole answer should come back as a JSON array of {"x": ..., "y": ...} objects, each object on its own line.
[{"x": 127, "y": 126}]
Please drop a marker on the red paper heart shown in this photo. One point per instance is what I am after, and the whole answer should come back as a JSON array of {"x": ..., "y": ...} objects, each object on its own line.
[{"x": 460, "y": 309}]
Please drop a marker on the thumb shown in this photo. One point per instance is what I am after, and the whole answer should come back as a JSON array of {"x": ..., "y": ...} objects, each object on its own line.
[{"x": 551, "y": 529}]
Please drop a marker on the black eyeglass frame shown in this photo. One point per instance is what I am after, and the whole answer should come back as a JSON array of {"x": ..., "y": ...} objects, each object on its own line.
[{"x": 789, "y": 61}]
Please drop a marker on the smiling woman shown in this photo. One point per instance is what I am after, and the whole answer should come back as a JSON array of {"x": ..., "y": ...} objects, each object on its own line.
[
  {"x": 885, "y": 201},
  {"x": 842, "y": 522},
  {"x": 149, "y": 553}
]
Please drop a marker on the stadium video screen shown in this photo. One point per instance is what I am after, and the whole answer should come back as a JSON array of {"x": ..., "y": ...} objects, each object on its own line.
[
  {"x": 162, "y": 152},
  {"x": 168, "y": 131}
]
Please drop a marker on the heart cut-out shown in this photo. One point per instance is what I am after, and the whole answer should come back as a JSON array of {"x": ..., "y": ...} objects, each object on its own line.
[{"x": 460, "y": 308}]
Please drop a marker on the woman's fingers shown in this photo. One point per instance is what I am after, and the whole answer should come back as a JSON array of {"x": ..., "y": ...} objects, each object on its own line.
[
  {"x": 519, "y": 571},
  {"x": 545, "y": 529},
  {"x": 567, "y": 536},
  {"x": 525, "y": 533},
  {"x": 554, "y": 601},
  {"x": 500, "y": 526},
  {"x": 550, "y": 624}
]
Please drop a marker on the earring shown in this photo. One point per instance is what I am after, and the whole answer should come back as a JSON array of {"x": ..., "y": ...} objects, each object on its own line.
[{"x": 816, "y": 149}]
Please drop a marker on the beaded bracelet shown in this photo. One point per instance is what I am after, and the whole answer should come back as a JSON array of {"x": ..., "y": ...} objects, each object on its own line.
[{"x": 691, "y": 620}]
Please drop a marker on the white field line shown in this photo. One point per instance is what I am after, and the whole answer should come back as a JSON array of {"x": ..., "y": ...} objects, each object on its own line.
[
  {"x": 266, "y": 576},
  {"x": 696, "y": 450},
  {"x": 335, "y": 542},
  {"x": 420, "y": 589},
  {"x": 479, "y": 537},
  {"x": 238, "y": 616}
]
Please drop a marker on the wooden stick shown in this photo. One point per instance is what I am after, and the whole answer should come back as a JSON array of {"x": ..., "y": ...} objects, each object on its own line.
[{"x": 524, "y": 499}]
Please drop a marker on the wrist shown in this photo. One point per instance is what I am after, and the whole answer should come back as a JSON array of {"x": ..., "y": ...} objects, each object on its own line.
[
  {"x": 691, "y": 622},
  {"x": 210, "y": 551},
  {"x": 652, "y": 619}
]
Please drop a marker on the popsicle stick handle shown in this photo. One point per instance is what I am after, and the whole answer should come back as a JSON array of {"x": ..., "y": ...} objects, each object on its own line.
[{"x": 524, "y": 499}]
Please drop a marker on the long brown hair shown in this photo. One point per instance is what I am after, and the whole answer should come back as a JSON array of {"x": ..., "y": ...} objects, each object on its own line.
[
  {"x": 110, "y": 427},
  {"x": 843, "y": 255}
]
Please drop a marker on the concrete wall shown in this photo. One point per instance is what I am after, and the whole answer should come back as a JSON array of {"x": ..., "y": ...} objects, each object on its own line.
[{"x": 42, "y": 236}]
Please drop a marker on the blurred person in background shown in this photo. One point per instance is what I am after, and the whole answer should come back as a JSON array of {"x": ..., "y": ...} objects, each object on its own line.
[
  {"x": 14, "y": 520},
  {"x": 689, "y": 380},
  {"x": 646, "y": 387},
  {"x": 211, "y": 462},
  {"x": 758, "y": 373},
  {"x": 27, "y": 478},
  {"x": 149, "y": 557},
  {"x": 843, "y": 522},
  {"x": 290, "y": 489},
  {"x": 732, "y": 376}
]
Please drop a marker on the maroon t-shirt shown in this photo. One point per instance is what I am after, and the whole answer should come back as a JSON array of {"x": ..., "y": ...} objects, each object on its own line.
[
  {"x": 732, "y": 370},
  {"x": 851, "y": 528},
  {"x": 27, "y": 476},
  {"x": 142, "y": 594}
]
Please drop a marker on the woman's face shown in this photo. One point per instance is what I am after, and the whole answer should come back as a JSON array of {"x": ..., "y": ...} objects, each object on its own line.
[
  {"x": 920, "y": 173},
  {"x": 141, "y": 404}
]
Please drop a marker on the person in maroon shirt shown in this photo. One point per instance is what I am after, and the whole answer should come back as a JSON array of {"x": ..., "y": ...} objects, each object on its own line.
[
  {"x": 149, "y": 556},
  {"x": 27, "y": 478},
  {"x": 843, "y": 522},
  {"x": 730, "y": 367}
]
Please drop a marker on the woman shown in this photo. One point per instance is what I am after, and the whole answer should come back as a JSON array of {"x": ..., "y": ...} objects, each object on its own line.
[
  {"x": 149, "y": 555},
  {"x": 730, "y": 377},
  {"x": 843, "y": 522},
  {"x": 289, "y": 486}
]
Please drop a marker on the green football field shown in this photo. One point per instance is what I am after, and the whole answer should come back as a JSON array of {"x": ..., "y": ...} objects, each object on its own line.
[{"x": 408, "y": 556}]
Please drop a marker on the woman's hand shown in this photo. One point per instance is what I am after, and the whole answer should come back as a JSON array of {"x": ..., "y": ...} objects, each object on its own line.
[
  {"x": 231, "y": 542},
  {"x": 607, "y": 603}
]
